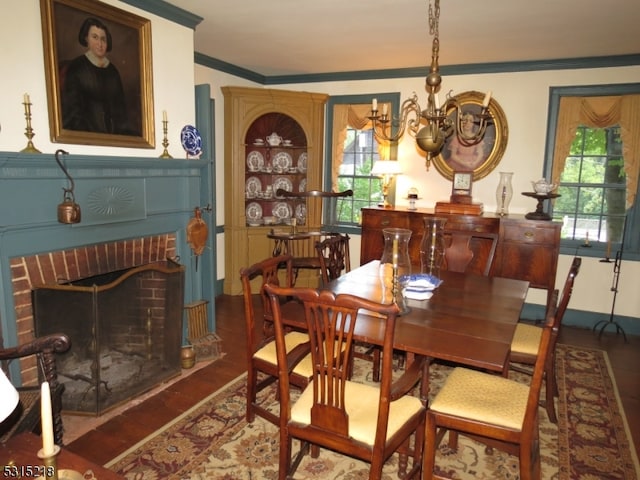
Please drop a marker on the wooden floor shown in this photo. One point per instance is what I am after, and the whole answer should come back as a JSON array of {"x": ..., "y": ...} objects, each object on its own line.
[{"x": 113, "y": 437}]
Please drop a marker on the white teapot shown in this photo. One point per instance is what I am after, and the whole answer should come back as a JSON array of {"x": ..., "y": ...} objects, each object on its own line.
[
  {"x": 274, "y": 139},
  {"x": 542, "y": 186}
]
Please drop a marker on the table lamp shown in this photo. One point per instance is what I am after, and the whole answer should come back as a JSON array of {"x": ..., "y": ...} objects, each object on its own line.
[
  {"x": 386, "y": 169},
  {"x": 8, "y": 396}
]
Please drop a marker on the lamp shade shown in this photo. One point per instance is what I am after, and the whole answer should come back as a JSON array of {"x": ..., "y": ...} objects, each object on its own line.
[
  {"x": 8, "y": 396},
  {"x": 386, "y": 167}
]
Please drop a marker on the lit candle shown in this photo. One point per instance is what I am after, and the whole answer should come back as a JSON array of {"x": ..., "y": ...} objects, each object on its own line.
[
  {"x": 164, "y": 115},
  {"x": 47, "y": 420},
  {"x": 374, "y": 104},
  {"x": 487, "y": 99},
  {"x": 26, "y": 98},
  {"x": 608, "y": 255}
]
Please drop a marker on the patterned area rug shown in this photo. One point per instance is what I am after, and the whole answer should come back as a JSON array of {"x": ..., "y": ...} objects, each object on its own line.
[{"x": 213, "y": 441}]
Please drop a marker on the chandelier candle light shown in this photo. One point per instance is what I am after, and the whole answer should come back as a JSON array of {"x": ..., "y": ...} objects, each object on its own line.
[{"x": 430, "y": 126}]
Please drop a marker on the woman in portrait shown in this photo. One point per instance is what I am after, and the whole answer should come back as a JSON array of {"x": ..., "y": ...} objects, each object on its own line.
[
  {"x": 466, "y": 157},
  {"x": 92, "y": 95}
]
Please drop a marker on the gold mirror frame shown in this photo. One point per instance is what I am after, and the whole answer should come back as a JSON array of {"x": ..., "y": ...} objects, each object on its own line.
[
  {"x": 496, "y": 137},
  {"x": 131, "y": 40}
]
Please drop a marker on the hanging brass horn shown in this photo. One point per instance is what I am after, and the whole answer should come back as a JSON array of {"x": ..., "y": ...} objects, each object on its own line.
[{"x": 68, "y": 210}]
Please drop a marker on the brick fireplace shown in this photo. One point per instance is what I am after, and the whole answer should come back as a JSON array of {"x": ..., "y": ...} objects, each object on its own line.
[
  {"x": 134, "y": 212},
  {"x": 63, "y": 266}
]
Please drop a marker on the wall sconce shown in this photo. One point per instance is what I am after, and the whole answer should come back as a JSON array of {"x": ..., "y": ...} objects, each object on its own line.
[{"x": 386, "y": 170}]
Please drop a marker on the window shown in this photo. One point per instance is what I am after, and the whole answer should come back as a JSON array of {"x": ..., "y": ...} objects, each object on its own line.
[
  {"x": 593, "y": 153},
  {"x": 352, "y": 151},
  {"x": 593, "y": 187},
  {"x": 359, "y": 154}
]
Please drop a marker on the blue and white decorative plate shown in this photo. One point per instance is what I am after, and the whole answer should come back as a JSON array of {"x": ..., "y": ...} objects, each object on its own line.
[{"x": 191, "y": 140}]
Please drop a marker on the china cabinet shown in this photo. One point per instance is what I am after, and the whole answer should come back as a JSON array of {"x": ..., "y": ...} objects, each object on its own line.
[{"x": 273, "y": 140}]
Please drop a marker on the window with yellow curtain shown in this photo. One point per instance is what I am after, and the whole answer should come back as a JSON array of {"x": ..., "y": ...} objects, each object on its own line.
[
  {"x": 352, "y": 151},
  {"x": 595, "y": 160}
]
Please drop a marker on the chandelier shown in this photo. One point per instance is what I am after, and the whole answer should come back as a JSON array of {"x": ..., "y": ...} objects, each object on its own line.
[{"x": 433, "y": 125}]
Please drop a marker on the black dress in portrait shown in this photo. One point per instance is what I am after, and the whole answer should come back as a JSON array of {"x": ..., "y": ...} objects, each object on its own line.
[{"x": 93, "y": 98}]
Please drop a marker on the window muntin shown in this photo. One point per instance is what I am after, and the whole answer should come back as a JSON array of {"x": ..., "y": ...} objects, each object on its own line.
[
  {"x": 593, "y": 188},
  {"x": 359, "y": 155}
]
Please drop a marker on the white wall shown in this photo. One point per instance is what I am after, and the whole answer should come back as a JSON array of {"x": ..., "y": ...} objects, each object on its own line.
[
  {"x": 22, "y": 58},
  {"x": 524, "y": 97}
]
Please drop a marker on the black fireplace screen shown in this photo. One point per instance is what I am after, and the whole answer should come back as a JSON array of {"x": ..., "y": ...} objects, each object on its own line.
[{"x": 125, "y": 329}]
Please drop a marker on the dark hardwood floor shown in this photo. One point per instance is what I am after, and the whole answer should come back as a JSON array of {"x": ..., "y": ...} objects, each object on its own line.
[{"x": 108, "y": 440}]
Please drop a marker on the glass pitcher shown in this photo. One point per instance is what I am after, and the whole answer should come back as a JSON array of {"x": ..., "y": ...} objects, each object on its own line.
[{"x": 432, "y": 246}]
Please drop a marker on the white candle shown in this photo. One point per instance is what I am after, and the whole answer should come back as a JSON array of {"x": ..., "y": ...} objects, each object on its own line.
[
  {"x": 436, "y": 101},
  {"x": 164, "y": 115},
  {"x": 384, "y": 109},
  {"x": 26, "y": 98},
  {"x": 487, "y": 99},
  {"x": 374, "y": 104},
  {"x": 47, "y": 420}
]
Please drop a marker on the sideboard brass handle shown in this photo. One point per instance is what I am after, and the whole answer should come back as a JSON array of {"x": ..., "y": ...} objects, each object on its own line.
[
  {"x": 385, "y": 222},
  {"x": 528, "y": 234}
]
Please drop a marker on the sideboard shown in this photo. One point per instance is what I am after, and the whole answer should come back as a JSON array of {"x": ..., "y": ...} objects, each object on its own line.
[{"x": 527, "y": 249}]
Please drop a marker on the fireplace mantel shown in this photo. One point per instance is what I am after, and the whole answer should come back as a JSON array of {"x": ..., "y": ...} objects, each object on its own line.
[{"x": 120, "y": 198}]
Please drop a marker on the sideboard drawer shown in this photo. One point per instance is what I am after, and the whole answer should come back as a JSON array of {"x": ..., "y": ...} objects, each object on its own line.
[
  {"x": 529, "y": 234},
  {"x": 383, "y": 219}
]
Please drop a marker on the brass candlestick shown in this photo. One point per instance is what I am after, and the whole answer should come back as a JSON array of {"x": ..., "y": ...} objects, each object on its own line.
[
  {"x": 30, "y": 148},
  {"x": 165, "y": 142},
  {"x": 50, "y": 463}
]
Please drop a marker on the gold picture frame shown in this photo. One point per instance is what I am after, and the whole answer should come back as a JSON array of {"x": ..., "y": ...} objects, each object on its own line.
[
  {"x": 69, "y": 75},
  {"x": 487, "y": 154}
]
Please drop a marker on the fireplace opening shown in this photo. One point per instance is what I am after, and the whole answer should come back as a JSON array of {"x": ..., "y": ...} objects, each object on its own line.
[{"x": 125, "y": 329}]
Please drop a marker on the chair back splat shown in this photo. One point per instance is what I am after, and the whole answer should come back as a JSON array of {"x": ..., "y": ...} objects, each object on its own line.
[
  {"x": 334, "y": 256},
  {"x": 459, "y": 254},
  {"x": 368, "y": 422}
]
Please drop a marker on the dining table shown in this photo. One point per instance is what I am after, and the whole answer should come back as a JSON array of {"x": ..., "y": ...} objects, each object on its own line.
[{"x": 469, "y": 320}]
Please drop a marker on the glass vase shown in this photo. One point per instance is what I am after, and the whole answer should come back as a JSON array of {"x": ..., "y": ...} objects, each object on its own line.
[
  {"x": 432, "y": 246},
  {"x": 504, "y": 193},
  {"x": 395, "y": 264}
]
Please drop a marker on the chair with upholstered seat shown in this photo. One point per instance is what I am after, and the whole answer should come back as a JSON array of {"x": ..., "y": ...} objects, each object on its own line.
[
  {"x": 362, "y": 421},
  {"x": 262, "y": 368},
  {"x": 526, "y": 343},
  {"x": 26, "y": 417},
  {"x": 459, "y": 254},
  {"x": 497, "y": 411}
]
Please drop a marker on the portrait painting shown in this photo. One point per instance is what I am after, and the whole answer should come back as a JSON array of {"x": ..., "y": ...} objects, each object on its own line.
[
  {"x": 479, "y": 157},
  {"x": 99, "y": 74}
]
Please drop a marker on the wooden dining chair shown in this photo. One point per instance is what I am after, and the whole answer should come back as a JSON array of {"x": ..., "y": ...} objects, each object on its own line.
[
  {"x": 459, "y": 253},
  {"x": 525, "y": 346},
  {"x": 491, "y": 409},
  {"x": 333, "y": 256},
  {"x": 262, "y": 368},
  {"x": 26, "y": 417},
  {"x": 362, "y": 421}
]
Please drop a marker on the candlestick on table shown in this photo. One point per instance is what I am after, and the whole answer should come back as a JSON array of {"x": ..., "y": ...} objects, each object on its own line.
[{"x": 46, "y": 416}]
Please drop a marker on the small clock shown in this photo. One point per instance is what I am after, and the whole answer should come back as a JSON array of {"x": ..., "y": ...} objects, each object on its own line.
[{"x": 461, "y": 188}]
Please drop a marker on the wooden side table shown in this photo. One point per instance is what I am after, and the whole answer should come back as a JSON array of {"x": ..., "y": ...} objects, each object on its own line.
[{"x": 21, "y": 451}]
